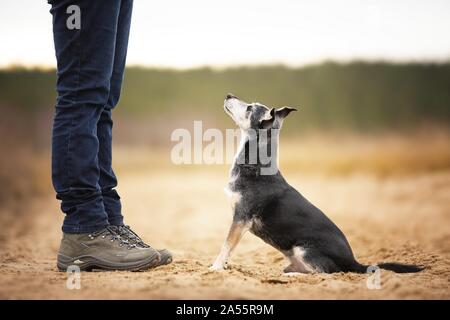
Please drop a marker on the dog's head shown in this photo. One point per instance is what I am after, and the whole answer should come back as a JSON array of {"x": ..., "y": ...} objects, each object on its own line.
[{"x": 254, "y": 115}]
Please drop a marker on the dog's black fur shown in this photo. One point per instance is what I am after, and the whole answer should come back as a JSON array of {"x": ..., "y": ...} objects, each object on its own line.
[{"x": 282, "y": 217}]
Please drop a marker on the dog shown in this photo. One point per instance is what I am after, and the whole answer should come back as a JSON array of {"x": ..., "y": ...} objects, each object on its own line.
[{"x": 267, "y": 206}]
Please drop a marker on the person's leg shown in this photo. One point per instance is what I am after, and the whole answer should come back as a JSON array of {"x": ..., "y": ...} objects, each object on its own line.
[
  {"x": 108, "y": 180},
  {"x": 85, "y": 59}
]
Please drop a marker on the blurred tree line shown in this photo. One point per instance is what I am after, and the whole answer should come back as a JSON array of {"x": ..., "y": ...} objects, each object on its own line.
[{"x": 358, "y": 95}]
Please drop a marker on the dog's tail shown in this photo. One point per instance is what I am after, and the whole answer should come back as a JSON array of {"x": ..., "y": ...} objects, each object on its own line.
[
  {"x": 400, "y": 267},
  {"x": 391, "y": 266}
]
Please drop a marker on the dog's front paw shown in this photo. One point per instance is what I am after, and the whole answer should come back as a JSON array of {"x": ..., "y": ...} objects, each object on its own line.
[{"x": 218, "y": 266}]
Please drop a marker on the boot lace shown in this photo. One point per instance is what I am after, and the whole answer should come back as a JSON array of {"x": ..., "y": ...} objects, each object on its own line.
[
  {"x": 131, "y": 236},
  {"x": 112, "y": 235}
]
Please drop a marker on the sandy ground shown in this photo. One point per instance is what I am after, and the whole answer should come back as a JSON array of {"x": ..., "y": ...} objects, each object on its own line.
[{"x": 403, "y": 219}]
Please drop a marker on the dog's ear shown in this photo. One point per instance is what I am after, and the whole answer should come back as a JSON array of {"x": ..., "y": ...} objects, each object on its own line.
[
  {"x": 268, "y": 120},
  {"x": 284, "y": 112}
]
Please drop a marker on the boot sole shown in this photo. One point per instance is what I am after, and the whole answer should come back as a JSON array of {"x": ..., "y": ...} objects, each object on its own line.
[{"x": 89, "y": 263}]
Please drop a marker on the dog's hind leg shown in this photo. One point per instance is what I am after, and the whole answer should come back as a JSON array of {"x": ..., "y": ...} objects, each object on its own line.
[
  {"x": 297, "y": 262},
  {"x": 235, "y": 234}
]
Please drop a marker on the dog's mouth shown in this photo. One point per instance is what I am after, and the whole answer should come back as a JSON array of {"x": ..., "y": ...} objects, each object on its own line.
[{"x": 228, "y": 111}]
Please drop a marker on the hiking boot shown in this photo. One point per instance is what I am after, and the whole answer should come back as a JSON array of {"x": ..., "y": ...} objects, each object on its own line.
[
  {"x": 126, "y": 233},
  {"x": 104, "y": 249}
]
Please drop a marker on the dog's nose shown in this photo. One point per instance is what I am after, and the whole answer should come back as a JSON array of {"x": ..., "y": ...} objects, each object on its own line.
[{"x": 230, "y": 96}]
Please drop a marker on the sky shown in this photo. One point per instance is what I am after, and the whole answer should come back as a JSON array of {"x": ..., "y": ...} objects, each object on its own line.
[{"x": 187, "y": 34}]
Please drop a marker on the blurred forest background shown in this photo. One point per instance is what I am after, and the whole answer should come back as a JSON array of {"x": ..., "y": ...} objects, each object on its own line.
[{"x": 356, "y": 96}]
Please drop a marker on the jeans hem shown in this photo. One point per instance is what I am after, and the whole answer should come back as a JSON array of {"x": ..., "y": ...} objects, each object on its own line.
[
  {"x": 84, "y": 229},
  {"x": 116, "y": 221}
]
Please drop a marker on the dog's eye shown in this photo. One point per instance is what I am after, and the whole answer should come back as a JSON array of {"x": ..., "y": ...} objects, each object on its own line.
[{"x": 249, "y": 108}]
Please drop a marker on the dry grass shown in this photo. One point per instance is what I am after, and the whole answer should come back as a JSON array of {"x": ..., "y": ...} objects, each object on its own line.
[
  {"x": 381, "y": 155},
  {"x": 387, "y": 154}
]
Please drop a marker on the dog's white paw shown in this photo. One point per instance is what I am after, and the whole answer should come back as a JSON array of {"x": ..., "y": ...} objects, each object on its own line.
[{"x": 218, "y": 267}]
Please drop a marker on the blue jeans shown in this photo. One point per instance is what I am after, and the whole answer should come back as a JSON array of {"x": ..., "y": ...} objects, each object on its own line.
[{"x": 90, "y": 63}]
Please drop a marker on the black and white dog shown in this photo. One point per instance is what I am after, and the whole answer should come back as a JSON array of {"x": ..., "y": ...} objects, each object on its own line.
[{"x": 266, "y": 205}]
